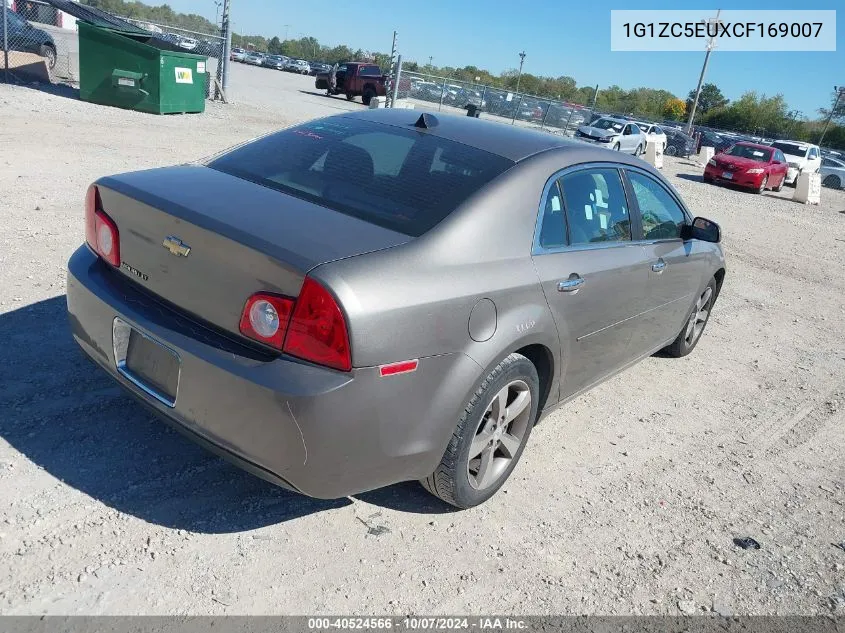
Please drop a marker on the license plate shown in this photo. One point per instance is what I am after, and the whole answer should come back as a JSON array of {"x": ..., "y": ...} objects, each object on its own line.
[
  {"x": 151, "y": 365},
  {"x": 727, "y": 175}
]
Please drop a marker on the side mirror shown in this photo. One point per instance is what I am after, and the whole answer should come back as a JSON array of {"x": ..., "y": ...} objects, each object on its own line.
[{"x": 702, "y": 229}]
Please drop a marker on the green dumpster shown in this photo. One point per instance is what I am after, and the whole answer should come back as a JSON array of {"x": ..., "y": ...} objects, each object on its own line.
[{"x": 138, "y": 72}]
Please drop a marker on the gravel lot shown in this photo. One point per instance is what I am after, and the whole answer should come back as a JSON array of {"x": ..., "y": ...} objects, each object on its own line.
[{"x": 627, "y": 499}]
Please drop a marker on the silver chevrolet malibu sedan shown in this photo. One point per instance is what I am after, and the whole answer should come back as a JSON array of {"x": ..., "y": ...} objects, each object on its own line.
[{"x": 386, "y": 296}]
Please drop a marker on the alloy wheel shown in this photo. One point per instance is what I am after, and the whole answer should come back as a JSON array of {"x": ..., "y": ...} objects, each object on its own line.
[
  {"x": 500, "y": 434},
  {"x": 699, "y": 315}
]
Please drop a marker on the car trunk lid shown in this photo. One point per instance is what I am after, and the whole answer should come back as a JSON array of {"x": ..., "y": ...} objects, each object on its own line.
[{"x": 204, "y": 241}]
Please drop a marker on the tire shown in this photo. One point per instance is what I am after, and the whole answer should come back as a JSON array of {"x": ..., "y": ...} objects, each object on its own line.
[
  {"x": 763, "y": 184},
  {"x": 639, "y": 150},
  {"x": 349, "y": 96},
  {"x": 832, "y": 181},
  {"x": 458, "y": 479},
  {"x": 368, "y": 95},
  {"x": 780, "y": 184},
  {"x": 690, "y": 334},
  {"x": 49, "y": 53},
  {"x": 671, "y": 150},
  {"x": 617, "y": 147},
  {"x": 794, "y": 183}
]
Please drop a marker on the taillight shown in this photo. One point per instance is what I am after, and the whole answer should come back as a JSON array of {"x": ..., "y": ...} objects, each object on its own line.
[
  {"x": 100, "y": 230},
  {"x": 317, "y": 330},
  {"x": 265, "y": 318}
]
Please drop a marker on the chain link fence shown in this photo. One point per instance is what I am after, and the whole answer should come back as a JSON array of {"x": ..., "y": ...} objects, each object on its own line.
[
  {"x": 452, "y": 95},
  {"x": 36, "y": 43},
  {"x": 39, "y": 43}
]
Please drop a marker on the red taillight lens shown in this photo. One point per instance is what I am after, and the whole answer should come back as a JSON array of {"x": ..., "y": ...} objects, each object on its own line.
[
  {"x": 265, "y": 318},
  {"x": 100, "y": 230},
  {"x": 317, "y": 330}
]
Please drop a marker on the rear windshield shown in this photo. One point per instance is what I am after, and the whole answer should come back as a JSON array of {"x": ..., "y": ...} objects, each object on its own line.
[
  {"x": 754, "y": 153},
  {"x": 791, "y": 148},
  {"x": 397, "y": 178},
  {"x": 369, "y": 71}
]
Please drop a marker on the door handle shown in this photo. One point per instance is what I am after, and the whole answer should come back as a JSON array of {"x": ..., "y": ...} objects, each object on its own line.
[
  {"x": 658, "y": 266},
  {"x": 570, "y": 285}
]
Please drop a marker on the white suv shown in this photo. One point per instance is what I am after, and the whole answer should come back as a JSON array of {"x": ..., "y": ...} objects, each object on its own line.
[{"x": 802, "y": 157}]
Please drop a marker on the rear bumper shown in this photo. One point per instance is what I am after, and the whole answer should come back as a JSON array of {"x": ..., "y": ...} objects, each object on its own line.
[{"x": 324, "y": 433}]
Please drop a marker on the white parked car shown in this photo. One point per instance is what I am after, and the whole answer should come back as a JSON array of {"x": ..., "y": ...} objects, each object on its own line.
[
  {"x": 188, "y": 43},
  {"x": 654, "y": 134},
  {"x": 833, "y": 172},
  {"x": 802, "y": 157},
  {"x": 618, "y": 134},
  {"x": 255, "y": 59}
]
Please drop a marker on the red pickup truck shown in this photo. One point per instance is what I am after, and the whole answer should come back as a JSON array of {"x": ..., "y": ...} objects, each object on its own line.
[{"x": 358, "y": 79}]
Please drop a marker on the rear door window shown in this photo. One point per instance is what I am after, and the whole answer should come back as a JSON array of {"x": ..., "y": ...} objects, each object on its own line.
[
  {"x": 389, "y": 176},
  {"x": 596, "y": 206}
]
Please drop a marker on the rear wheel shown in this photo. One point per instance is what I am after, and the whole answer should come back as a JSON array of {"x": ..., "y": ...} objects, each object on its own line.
[
  {"x": 639, "y": 150},
  {"x": 491, "y": 434},
  {"x": 671, "y": 150},
  {"x": 694, "y": 327},
  {"x": 780, "y": 184},
  {"x": 49, "y": 54},
  {"x": 368, "y": 95},
  {"x": 832, "y": 181}
]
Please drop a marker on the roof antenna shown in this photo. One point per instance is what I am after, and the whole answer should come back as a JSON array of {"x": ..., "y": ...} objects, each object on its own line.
[{"x": 426, "y": 121}]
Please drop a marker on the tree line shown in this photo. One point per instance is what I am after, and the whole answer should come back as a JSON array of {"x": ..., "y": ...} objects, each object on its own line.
[{"x": 752, "y": 113}]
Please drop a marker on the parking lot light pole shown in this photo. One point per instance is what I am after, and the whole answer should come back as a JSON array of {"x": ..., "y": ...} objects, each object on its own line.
[
  {"x": 711, "y": 44},
  {"x": 518, "y": 77},
  {"x": 839, "y": 92}
]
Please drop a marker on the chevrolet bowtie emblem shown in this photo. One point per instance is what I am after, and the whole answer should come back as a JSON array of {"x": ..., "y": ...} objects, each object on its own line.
[{"x": 176, "y": 246}]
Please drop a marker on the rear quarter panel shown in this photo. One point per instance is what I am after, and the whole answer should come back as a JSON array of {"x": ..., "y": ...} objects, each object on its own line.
[{"x": 416, "y": 300}]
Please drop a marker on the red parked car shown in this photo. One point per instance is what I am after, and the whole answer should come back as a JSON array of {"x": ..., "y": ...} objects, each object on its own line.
[{"x": 748, "y": 165}]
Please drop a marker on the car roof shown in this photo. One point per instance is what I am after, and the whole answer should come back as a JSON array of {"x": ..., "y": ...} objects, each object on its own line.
[
  {"x": 799, "y": 143},
  {"x": 754, "y": 145},
  {"x": 512, "y": 142}
]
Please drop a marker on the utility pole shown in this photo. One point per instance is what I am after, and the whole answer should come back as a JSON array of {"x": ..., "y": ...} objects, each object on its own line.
[
  {"x": 391, "y": 78},
  {"x": 429, "y": 59},
  {"x": 218, "y": 4},
  {"x": 840, "y": 91},
  {"x": 518, "y": 78},
  {"x": 711, "y": 44},
  {"x": 287, "y": 26}
]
